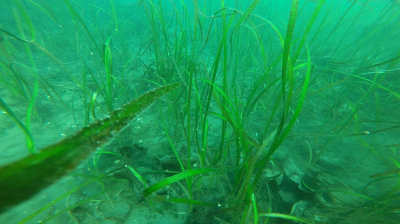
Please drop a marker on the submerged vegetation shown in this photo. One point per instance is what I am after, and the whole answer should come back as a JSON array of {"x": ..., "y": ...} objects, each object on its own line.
[{"x": 287, "y": 111}]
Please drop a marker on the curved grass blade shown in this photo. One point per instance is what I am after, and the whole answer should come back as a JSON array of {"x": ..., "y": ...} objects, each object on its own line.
[
  {"x": 10, "y": 113},
  {"x": 15, "y": 37},
  {"x": 30, "y": 144},
  {"x": 288, "y": 217},
  {"x": 285, "y": 65},
  {"x": 24, "y": 178},
  {"x": 173, "y": 179},
  {"x": 299, "y": 104}
]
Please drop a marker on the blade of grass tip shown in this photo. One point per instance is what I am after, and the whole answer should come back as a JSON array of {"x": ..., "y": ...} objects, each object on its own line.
[
  {"x": 91, "y": 107},
  {"x": 137, "y": 175},
  {"x": 30, "y": 144},
  {"x": 10, "y": 113},
  {"x": 26, "y": 177}
]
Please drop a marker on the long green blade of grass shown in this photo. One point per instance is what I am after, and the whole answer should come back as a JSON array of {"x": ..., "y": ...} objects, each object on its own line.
[
  {"x": 288, "y": 217},
  {"x": 26, "y": 177},
  {"x": 191, "y": 202},
  {"x": 29, "y": 142},
  {"x": 175, "y": 178},
  {"x": 109, "y": 74}
]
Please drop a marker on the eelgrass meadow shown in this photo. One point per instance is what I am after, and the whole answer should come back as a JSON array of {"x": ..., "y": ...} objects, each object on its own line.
[{"x": 199, "y": 111}]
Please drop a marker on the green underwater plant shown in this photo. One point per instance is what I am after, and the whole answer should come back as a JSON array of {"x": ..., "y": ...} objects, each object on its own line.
[{"x": 285, "y": 110}]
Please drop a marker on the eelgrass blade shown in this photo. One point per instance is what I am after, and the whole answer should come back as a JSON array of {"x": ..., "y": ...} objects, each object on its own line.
[
  {"x": 191, "y": 202},
  {"x": 15, "y": 37},
  {"x": 288, "y": 217},
  {"x": 387, "y": 173},
  {"x": 301, "y": 100},
  {"x": 29, "y": 142},
  {"x": 10, "y": 113},
  {"x": 26, "y": 177},
  {"x": 137, "y": 175},
  {"x": 92, "y": 106},
  {"x": 253, "y": 199},
  {"x": 109, "y": 74},
  {"x": 175, "y": 178},
  {"x": 285, "y": 63}
]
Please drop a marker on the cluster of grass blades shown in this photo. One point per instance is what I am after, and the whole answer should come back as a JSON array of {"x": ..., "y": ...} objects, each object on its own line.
[{"x": 259, "y": 94}]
